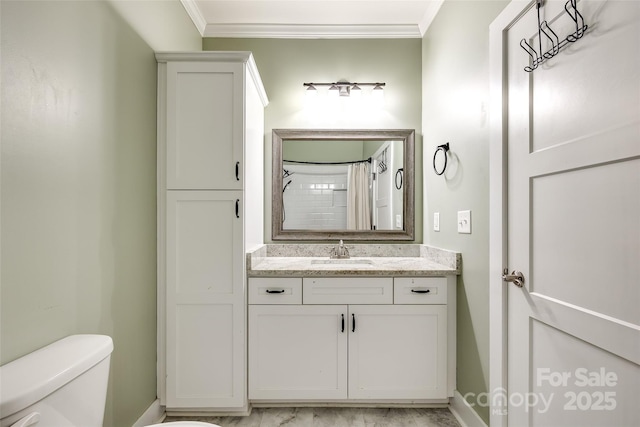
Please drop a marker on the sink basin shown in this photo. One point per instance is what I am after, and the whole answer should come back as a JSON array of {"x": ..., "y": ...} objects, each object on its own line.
[{"x": 342, "y": 261}]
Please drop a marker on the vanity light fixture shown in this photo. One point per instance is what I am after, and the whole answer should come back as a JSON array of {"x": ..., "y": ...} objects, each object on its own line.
[{"x": 346, "y": 88}]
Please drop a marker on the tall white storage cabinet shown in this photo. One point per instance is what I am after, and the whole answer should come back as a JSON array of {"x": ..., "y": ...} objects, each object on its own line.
[{"x": 210, "y": 199}]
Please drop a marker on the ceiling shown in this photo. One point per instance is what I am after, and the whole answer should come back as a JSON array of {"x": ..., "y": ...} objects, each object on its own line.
[{"x": 312, "y": 18}]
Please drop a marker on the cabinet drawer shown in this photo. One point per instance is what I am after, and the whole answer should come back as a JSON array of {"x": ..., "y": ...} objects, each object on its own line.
[
  {"x": 420, "y": 290},
  {"x": 275, "y": 290},
  {"x": 348, "y": 290}
]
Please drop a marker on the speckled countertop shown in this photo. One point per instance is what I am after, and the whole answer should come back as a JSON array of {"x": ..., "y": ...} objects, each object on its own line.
[{"x": 278, "y": 260}]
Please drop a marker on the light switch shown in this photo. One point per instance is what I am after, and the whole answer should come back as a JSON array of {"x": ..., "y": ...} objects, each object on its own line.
[
  {"x": 398, "y": 221},
  {"x": 436, "y": 221},
  {"x": 464, "y": 222}
]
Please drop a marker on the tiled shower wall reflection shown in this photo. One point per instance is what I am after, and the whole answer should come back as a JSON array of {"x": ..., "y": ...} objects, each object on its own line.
[{"x": 316, "y": 198}]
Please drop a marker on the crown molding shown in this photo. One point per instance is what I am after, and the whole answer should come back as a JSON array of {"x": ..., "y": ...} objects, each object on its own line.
[
  {"x": 312, "y": 31},
  {"x": 429, "y": 15},
  {"x": 195, "y": 14}
]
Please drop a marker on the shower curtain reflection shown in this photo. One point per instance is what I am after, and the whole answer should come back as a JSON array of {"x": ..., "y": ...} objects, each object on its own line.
[{"x": 358, "y": 196}]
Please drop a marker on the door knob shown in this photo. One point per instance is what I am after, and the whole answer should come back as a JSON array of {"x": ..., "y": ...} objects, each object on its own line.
[{"x": 516, "y": 277}]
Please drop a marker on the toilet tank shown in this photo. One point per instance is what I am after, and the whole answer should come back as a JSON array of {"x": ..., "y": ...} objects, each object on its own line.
[{"x": 61, "y": 385}]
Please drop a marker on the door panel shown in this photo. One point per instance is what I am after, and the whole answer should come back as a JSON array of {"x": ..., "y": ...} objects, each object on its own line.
[
  {"x": 205, "y": 300},
  {"x": 583, "y": 214},
  {"x": 198, "y": 343},
  {"x": 398, "y": 352},
  {"x": 202, "y": 264},
  {"x": 581, "y": 383},
  {"x": 297, "y": 352},
  {"x": 565, "y": 112},
  {"x": 204, "y": 125}
]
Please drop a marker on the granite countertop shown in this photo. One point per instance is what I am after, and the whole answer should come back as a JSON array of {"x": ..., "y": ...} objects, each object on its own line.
[{"x": 367, "y": 260}]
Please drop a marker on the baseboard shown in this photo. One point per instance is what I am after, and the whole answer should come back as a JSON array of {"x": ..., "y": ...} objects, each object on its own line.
[
  {"x": 464, "y": 413},
  {"x": 431, "y": 403},
  {"x": 153, "y": 415}
]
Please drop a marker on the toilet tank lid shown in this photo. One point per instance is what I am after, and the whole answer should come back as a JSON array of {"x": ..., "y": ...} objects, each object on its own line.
[{"x": 30, "y": 378}]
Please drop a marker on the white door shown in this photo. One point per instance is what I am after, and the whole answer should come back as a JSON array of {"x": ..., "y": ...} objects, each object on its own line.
[
  {"x": 572, "y": 134},
  {"x": 397, "y": 352},
  {"x": 297, "y": 352},
  {"x": 204, "y": 121},
  {"x": 382, "y": 199},
  {"x": 205, "y": 300}
]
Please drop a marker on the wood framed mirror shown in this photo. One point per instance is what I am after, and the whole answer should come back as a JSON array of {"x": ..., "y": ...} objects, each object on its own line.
[{"x": 343, "y": 184}]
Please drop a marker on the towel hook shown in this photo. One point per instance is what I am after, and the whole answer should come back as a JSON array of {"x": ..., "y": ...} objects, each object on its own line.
[
  {"x": 444, "y": 148},
  {"x": 399, "y": 174}
]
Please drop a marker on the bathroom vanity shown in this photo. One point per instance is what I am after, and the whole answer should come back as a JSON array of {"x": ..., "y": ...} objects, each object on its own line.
[
  {"x": 368, "y": 329},
  {"x": 284, "y": 323}
]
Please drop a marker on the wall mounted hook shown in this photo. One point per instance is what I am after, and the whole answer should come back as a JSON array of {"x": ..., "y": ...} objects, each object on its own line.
[{"x": 444, "y": 148}]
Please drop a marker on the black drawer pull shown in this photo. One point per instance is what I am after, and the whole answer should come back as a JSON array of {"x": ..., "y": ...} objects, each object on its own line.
[
  {"x": 279, "y": 291},
  {"x": 353, "y": 324},
  {"x": 237, "y": 171},
  {"x": 237, "y": 208},
  {"x": 342, "y": 315},
  {"x": 420, "y": 291}
]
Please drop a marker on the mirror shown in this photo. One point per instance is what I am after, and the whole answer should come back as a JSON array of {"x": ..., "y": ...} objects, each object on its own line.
[{"x": 343, "y": 184}]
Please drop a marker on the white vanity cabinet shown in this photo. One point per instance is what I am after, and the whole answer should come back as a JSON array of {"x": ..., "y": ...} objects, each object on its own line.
[
  {"x": 210, "y": 197},
  {"x": 397, "y": 352},
  {"x": 352, "y": 339},
  {"x": 297, "y": 352}
]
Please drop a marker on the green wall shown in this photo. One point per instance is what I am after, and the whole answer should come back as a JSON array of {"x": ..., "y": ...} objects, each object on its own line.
[
  {"x": 286, "y": 64},
  {"x": 455, "y": 61},
  {"x": 78, "y": 188}
]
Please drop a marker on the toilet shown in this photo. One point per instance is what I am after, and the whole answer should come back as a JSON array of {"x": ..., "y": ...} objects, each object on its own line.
[{"x": 61, "y": 385}]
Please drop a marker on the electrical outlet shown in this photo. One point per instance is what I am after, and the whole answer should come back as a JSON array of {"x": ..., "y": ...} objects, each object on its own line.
[
  {"x": 436, "y": 221},
  {"x": 464, "y": 222}
]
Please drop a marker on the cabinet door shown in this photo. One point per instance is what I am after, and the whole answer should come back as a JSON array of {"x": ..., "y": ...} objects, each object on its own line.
[
  {"x": 397, "y": 352},
  {"x": 204, "y": 122},
  {"x": 205, "y": 300},
  {"x": 297, "y": 352}
]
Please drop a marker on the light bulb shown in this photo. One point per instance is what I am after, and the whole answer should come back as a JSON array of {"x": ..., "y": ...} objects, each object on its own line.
[
  {"x": 377, "y": 96},
  {"x": 311, "y": 92},
  {"x": 356, "y": 91}
]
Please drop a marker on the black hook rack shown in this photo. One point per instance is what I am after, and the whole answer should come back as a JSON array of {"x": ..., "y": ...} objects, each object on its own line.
[
  {"x": 382, "y": 166},
  {"x": 546, "y": 31},
  {"x": 286, "y": 173}
]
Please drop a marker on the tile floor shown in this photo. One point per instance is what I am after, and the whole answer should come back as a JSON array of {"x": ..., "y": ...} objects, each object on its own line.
[{"x": 335, "y": 417}]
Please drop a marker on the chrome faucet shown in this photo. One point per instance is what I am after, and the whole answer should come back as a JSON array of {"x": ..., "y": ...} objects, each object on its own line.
[{"x": 339, "y": 252}]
